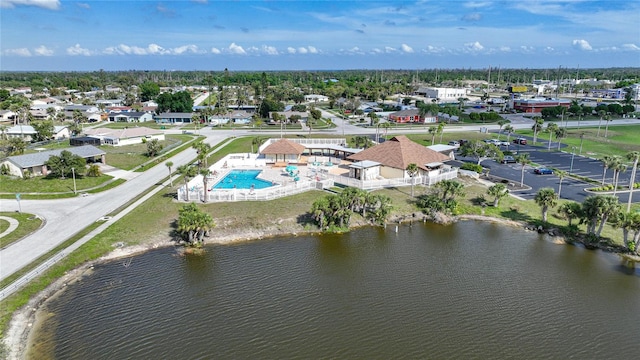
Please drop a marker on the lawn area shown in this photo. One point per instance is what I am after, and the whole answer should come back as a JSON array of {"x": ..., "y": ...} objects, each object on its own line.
[
  {"x": 122, "y": 125},
  {"x": 28, "y": 224},
  {"x": 620, "y": 140},
  {"x": 49, "y": 185},
  {"x": 130, "y": 156}
]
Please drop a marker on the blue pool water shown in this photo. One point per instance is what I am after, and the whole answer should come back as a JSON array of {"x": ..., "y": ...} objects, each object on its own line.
[{"x": 242, "y": 179}]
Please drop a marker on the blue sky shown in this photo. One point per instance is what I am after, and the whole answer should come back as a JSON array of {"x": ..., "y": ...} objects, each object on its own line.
[{"x": 54, "y": 35}]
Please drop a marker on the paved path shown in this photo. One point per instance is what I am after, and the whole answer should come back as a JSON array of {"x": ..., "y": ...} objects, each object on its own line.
[
  {"x": 65, "y": 217},
  {"x": 13, "y": 224}
]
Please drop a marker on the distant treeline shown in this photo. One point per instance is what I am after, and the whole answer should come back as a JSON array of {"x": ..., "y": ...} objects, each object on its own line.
[{"x": 308, "y": 81}]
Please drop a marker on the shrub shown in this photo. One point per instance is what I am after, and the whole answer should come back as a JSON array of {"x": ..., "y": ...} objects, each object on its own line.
[{"x": 472, "y": 167}]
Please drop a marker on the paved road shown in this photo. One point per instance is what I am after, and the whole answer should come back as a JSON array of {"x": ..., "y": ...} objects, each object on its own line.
[{"x": 65, "y": 217}]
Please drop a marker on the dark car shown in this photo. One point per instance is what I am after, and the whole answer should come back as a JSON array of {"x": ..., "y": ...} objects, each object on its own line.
[
  {"x": 508, "y": 159},
  {"x": 521, "y": 141},
  {"x": 543, "y": 171}
]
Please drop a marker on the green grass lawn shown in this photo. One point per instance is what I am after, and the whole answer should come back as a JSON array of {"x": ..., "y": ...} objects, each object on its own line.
[
  {"x": 619, "y": 141},
  {"x": 130, "y": 156},
  {"x": 28, "y": 224},
  {"x": 49, "y": 185},
  {"x": 123, "y": 125}
]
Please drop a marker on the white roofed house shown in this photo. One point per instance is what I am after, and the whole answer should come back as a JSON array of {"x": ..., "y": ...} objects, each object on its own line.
[
  {"x": 7, "y": 115},
  {"x": 130, "y": 117},
  {"x": 25, "y": 132},
  {"x": 34, "y": 164},
  {"x": 121, "y": 137}
]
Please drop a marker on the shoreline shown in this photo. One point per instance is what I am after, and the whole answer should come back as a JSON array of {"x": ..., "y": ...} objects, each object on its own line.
[{"x": 26, "y": 321}]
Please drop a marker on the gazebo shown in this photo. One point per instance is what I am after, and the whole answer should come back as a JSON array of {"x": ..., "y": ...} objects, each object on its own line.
[{"x": 283, "y": 152}]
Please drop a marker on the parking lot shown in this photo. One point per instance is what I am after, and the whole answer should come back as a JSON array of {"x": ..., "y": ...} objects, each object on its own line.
[{"x": 576, "y": 164}]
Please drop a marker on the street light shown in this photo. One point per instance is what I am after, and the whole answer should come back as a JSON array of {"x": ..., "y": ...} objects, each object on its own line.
[
  {"x": 573, "y": 154},
  {"x": 73, "y": 173}
]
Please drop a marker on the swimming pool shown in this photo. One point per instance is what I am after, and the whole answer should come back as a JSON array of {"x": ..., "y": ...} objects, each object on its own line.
[{"x": 242, "y": 179}]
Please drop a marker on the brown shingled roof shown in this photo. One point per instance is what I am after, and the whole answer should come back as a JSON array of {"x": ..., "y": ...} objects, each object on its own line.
[
  {"x": 400, "y": 152},
  {"x": 284, "y": 146}
]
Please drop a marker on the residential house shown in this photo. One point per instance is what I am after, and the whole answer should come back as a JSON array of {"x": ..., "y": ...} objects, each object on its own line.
[
  {"x": 393, "y": 156},
  {"x": 130, "y": 117},
  {"x": 304, "y": 115},
  {"x": 315, "y": 98},
  {"x": 121, "y": 137},
  {"x": 7, "y": 115},
  {"x": 173, "y": 118},
  {"x": 34, "y": 164},
  {"x": 25, "y": 132},
  {"x": 61, "y": 132},
  {"x": 236, "y": 117}
]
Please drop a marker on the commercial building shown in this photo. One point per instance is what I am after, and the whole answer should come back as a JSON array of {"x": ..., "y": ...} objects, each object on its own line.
[{"x": 536, "y": 105}]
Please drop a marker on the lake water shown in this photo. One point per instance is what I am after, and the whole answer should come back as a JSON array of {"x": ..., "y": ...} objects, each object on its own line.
[{"x": 470, "y": 290}]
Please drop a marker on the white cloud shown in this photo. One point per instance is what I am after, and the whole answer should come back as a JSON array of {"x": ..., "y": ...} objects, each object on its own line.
[
  {"x": 46, "y": 4},
  {"x": 84, "y": 5},
  {"x": 549, "y": 49},
  {"x": 156, "y": 49},
  {"x": 236, "y": 49},
  {"x": 474, "y": 46},
  {"x": 43, "y": 51},
  {"x": 632, "y": 47},
  {"x": 430, "y": 49},
  {"x": 302, "y": 50},
  {"x": 269, "y": 50},
  {"x": 406, "y": 48},
  {"x": 376, "y": 51},
  {"x": 215, "y": 51},
  {"x": 312, "y": 49},
  {"x": 582, "y": 44},
  {"x": 185, "y": 49},
  {"x": 527, "y": 49},
  {"x": 291, "y": 50},
  {"x": 389, "y": 49},
  {"x": 77, "y": 50},
  {"x": 504, "y": 49},
  {"x": 18, "y": 52},
  {"x": 477, "y": 4}
]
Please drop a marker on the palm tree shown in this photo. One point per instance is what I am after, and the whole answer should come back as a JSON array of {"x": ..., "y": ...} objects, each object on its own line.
[
  {"x": 187, "y": 172},
  {"x": 169, "y": 164},
  {"x": 205, "y": 172},
  {"x": 551, "y": 129},
  {"x": 560, "y": 134},
  {"x": 606, "y": 127},
  {"x": 386, "y": 125},
  {"x": 560, "y": 174},
  {"x": 607, "y": 162},
  {"x": 441, "y": 130},
  {"x": 570, "y": 210},
  {"x": 498, "y": 191},
  {"x": 601, "y": 113},
  {"x": 618, "y": 167},
  {"x": 194, "y": 223},
  {"x": 629, "y": 221},
  {"x": 523, "y": 159},
  {"x": 546, "y": 198},
  {"x": 508, "y": 129},
  {"x": 501, "y": 123},
  {"x": 537, "y": 126},
  {"x": 450, "y": 189},
  {"x": 412, "y": 170},
  {"x": 433, "y": 130},
  {"x": 632, "y": 156}
]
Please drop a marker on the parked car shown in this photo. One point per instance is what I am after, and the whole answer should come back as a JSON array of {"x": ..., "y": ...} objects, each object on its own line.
[
  {"x": 504, "y": 143},
  {"x": 454, "y": 143},
  {"x": 508, "y": 159},
  {"x": 543, "y": 171},
  {"x": 521, "y": 141},
  {"x": 463, "y": 141}
]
